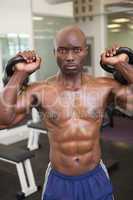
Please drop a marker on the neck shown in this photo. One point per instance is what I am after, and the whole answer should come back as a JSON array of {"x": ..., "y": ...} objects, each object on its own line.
[{"x": 70, "y": 82}]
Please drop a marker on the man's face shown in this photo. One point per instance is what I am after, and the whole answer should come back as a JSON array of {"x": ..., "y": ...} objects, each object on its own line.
[{"x": 71, "y": 53}]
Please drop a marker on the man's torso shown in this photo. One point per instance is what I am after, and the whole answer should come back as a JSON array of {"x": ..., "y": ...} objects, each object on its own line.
[{"x": 73, "y": 120}]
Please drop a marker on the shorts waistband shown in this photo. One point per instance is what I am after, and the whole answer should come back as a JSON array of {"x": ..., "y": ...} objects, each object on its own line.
[{"x": 77, "y": 177}]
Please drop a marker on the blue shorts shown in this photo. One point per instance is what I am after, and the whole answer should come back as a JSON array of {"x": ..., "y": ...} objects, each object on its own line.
[{"x": 93, "y": 185}]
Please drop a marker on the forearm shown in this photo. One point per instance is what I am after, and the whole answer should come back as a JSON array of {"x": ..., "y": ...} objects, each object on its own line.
[
  {"x": 8, "y": 98},
  {"x": 126, "y": 70}
]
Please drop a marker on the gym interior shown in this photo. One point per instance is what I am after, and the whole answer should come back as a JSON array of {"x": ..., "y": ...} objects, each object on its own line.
[{"x": 32, "y": 24}]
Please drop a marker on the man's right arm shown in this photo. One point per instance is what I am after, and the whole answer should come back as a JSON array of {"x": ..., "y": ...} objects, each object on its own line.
[{"x": 14, "y": 107}]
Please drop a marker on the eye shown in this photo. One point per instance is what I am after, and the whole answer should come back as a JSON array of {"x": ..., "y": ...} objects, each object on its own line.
[
  {"x": 77, "y": 50},
  {"x": 62, "y": 50}
]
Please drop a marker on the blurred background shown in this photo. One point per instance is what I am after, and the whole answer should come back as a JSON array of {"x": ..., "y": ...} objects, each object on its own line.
[{"x": 32, "y": 24}]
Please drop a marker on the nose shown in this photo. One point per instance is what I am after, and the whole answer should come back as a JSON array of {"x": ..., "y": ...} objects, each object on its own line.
[{"x": 70, "y": 56}]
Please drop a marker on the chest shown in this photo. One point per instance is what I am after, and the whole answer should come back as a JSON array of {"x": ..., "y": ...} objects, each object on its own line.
[{"x": 87, "y": 103}]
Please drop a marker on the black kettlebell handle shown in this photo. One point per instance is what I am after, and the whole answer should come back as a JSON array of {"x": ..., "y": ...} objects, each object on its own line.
[
  {"x": 12, "y": 62},
  {"x": 9, "y": 69},
  {"x": 126, "y": 50}
]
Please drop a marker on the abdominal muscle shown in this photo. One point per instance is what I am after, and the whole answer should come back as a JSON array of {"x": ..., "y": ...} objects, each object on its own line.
[{"x": 74, "y": 151}]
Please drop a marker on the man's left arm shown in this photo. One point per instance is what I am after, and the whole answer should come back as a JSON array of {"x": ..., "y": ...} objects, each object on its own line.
[{"x": 123, "y": 93}]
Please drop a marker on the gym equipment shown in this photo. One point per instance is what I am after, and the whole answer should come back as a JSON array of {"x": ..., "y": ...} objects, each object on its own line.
[
  {"x": 117, "y": 75},
  {"x": 36, "y": 129},
  {"x": 9, "y": 69},
  {"x": 21, "y": 158}
]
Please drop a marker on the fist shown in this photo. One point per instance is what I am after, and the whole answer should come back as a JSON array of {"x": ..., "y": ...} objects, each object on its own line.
[
  {"x": 31, "y": 64},
  {"x": 109, "y": 57}
]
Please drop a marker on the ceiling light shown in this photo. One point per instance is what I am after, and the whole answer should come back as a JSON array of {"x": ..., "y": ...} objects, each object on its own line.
[
  {"x": 115, "y": 30},
  {"x": 37, "y": 18},
  {"x": 131, "y": 26},
  {"x": 121, "y": 20},
  {"x": 113, "y": 25}
]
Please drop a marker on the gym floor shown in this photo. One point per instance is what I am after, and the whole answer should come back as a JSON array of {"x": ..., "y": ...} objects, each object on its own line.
[{"x": 117, "y": 144}]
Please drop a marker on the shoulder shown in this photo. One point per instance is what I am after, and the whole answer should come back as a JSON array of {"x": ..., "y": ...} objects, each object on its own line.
[
  {"x": 40, "y": 86},
  {"x": 35, "y": 86},
  {"x": 112, "y": 85},
  {"x": 51, "y": 80},
  {"x": 100, "y": 80},
  {"x": 108, "y": 81}
]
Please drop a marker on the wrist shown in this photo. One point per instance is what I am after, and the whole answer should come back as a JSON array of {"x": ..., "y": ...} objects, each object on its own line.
[{"x": 21, "y": 73}]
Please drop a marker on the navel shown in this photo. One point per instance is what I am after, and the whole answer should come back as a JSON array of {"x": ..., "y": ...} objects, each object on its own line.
[{"x": 77, "y": 160}]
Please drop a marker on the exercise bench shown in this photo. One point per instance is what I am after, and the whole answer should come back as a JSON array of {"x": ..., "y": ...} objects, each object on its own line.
[
  {"x": 36, "y": 128},
  {"x": 20, "y": 158}
]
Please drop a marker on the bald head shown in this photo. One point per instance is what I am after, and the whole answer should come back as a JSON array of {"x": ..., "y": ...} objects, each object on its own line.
[
  {"x": 70, "y": 33},
  {"x": 70, "y": 50}
]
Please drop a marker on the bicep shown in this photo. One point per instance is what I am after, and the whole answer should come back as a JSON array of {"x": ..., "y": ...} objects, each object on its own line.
[
  {"x": 27, "y": 99},
  {"x": 25, "y": 102},
  {"x": 124, "y": 98},
  {"x": 23, "y": 107},
  {"x": 129, "y": 100},
  {"x": 22, "y": 110}
]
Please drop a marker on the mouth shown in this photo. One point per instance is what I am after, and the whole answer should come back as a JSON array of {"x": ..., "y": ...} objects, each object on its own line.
[{"x": 72, "y": 67}]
